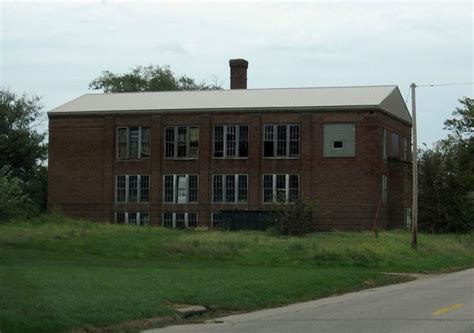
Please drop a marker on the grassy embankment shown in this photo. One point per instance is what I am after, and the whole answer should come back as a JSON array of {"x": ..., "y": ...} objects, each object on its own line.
[{"x": 58, "y": 274}]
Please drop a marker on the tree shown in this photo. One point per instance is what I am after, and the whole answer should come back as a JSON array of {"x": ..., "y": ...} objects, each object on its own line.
[
  {"x": 22, "y": 147},
  {"x": 446, "y": 176},
  {"x": 22, "y": 151},
  {"x": 148, "y": 78},
  {"x": 463, "y": 124}
]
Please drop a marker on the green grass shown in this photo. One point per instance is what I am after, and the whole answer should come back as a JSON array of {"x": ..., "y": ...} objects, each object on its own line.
[{"x": 58, "y": 274}]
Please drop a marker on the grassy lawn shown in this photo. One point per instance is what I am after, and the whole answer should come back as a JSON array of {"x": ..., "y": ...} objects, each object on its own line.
[{"x": 58, "y": 274}]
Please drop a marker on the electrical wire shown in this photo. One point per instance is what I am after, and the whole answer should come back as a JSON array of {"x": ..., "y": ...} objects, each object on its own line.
[{"x": 445, "y": 84}]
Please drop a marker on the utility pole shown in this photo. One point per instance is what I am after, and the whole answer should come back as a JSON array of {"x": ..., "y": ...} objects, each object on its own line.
[{"x": 414, "y": 212}]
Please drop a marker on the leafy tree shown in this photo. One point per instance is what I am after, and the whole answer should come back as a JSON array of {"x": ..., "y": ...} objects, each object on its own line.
[
  {"x": 446, "y": 176},
  {"x": 22, "y": 151},
  {"x": 22, "y": 147},
  {"x": 463, "y": 124},
  {"x": 148, "y": 78}
]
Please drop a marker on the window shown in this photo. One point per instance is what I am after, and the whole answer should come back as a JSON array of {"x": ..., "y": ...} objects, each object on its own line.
[
  {"x": 216, "y": 220},
  {"x": 339, "y": 140},
  {"x": 180, "y": 189},
  {"x": 231, "y": 141},
  {"x": 280, "y": 188},
  {"x": 182, "y": 142},
  {"x": 132, "y": 188},
  {"x": 281, "y": 141},
  {"x": 337, "y": 145},
  {"x": 406, "y": 149},
  {"x": 133, "y": 142},
  {"x": 384, "y": 189},
  {"x": 395, "y": 151},
  {"x": 180, "y": 220},
  {"x": 229, "y": 188},
  {"x": 135, "y": 218}
]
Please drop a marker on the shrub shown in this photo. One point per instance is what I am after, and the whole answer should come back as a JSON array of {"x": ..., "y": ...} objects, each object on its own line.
[
  {"x": 297, "y": 218},
  {"x": 14, "y": 203}
]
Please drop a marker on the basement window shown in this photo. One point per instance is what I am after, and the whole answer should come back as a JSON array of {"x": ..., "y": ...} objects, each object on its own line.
[
  {"x": 133, "y": 218},
  {"x": 216, "y": 220},
  {"x": 179, "y": 220},
  {"x": 133, "y": 142},
  {"x": 180, "y": 189},
  {"x": 181, "y": 142}
]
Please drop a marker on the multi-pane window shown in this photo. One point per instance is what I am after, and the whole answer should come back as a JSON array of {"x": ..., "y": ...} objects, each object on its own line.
[
  {"x": 229, "y": 188},
  {"x": 231, "y": 141},
  {"x": 179, "y": 220},
  {"x": 180, "y": 188},
  {"x": 133, "y": 142},
  {"x": 384, "y": 189},
  {"x": 281, "y": 140},
  {"x": 216, "y": 220},
  {"x": 395, "y": 151},
  {"x": 135, "y": 218},
  {"x": 339, "y": 140},
  {"x": 182, "y": 142},
  {"x": 280, "y": 188},
  {"x": 132, "y": 188}
]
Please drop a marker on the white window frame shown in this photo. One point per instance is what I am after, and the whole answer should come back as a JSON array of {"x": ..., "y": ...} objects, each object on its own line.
[
  {"x": 175, "y": 189},
  {"x": 175, "y": 142},
  {"x": 186, "y": 219},
  {"x": 127, "y": 187},
  {"x": 275, "y": 142},
  {"x": 140, "y": 143},
  {"x": 274, "y": 189},
  {"x": 224, "y": 142},
  {"x": 236, "y": 188},
  {"x": 139, "y": 218}
]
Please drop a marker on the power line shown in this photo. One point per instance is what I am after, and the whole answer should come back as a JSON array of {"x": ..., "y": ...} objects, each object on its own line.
[
  {"x": 407, "y": 95},
  {"x": 445, "y": 84}
]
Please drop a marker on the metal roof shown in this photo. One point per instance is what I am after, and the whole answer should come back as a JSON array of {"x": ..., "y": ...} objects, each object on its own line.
[{"x": 387, "y": 98}]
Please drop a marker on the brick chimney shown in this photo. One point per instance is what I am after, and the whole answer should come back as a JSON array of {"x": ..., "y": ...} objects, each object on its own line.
[{"x": 238, "y": 73}]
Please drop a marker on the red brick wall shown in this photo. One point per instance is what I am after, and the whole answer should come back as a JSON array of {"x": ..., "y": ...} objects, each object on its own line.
[{"x": 82, "y": 166}]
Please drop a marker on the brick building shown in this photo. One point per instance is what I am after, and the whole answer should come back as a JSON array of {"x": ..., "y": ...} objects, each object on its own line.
[{"x": 179, "y": 158}]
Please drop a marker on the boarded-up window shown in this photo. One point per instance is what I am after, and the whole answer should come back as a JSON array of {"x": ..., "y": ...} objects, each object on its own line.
[{"x": 339, "y": 140}]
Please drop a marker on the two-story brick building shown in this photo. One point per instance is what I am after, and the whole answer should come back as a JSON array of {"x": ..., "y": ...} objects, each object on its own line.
[{"x": 179, "y": 158}]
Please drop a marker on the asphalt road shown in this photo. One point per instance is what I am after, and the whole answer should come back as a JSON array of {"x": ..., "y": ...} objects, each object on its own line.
[{"x": 441, "y": 303}]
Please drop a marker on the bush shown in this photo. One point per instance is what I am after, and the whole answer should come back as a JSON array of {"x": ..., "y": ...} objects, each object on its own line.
[
  {"x": 298, "y": 218},
  {"x": 14, "y": 203}
]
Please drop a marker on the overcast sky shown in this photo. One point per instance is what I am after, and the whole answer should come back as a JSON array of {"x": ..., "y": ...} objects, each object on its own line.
[{"x": 54, "y": 49}]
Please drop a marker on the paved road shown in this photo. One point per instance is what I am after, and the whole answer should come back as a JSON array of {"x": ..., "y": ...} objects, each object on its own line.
[{"x": 442, "y": 303}]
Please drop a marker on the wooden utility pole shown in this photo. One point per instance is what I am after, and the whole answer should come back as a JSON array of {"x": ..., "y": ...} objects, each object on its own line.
[{"x": 414, "y": 211}]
